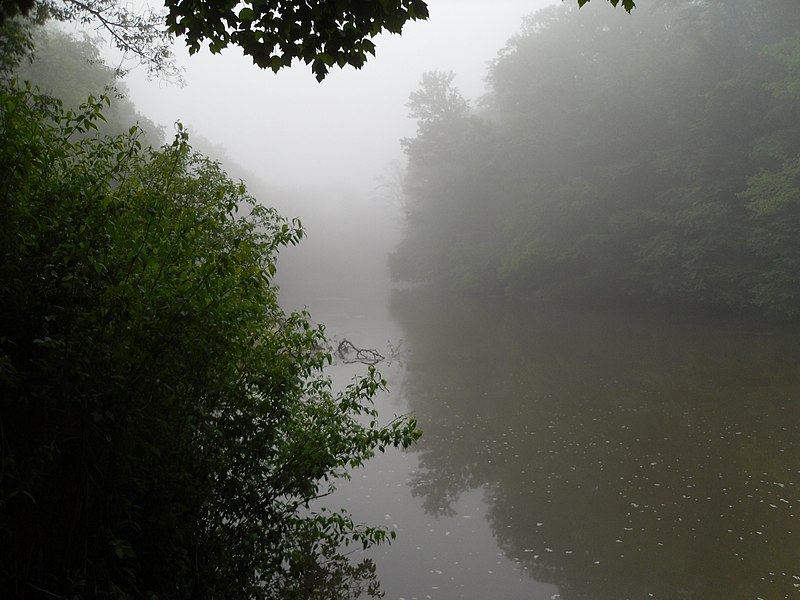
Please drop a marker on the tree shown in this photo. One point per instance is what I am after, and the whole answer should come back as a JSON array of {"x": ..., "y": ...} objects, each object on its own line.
[
  {"x": 321, "y": 33},
  {"x": 141, "y": 35},
  {"x": 165, "y": 428},
  {"x": 436, "y": 100},
  {"x": 628, "y": 5},
  {"x": 450, "y": 238}
]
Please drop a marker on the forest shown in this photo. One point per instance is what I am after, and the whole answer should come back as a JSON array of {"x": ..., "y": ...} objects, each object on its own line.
[{"x": 616, "y": 159}]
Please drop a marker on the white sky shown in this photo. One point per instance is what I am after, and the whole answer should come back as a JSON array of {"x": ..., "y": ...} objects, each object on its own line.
[{"x": 296, "y": 133}]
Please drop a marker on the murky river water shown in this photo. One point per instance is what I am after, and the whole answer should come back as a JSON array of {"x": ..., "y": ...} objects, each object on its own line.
[{"x": 580, "y": 454}]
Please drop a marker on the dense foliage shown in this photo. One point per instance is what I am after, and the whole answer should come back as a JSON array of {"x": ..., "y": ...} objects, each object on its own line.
[
  {"x": 591, "y": 171},
  {"x": 165, "y": 429},
  {"x": 274, "y": 34}
]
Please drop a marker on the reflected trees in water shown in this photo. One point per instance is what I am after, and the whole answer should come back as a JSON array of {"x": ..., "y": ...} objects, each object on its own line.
[{"x": 620, "y": 455}]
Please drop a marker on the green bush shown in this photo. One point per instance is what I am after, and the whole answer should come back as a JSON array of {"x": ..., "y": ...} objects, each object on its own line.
[{"x": 165, "y": 427}]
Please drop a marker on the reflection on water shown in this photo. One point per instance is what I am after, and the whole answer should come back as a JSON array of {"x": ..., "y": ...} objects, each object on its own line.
[{"x": 620, "y": 455}]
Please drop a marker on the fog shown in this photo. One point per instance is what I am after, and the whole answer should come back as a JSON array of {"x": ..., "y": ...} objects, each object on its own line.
[
  {"x": 583, "y": 254},
  {"x": 329, "y": 152},
  {"x": 614, "y": 159},
  {"x": 294, "y": 132}
]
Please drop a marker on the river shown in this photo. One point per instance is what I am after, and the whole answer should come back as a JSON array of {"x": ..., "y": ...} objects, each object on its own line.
[{"x": 593, "y": 454}]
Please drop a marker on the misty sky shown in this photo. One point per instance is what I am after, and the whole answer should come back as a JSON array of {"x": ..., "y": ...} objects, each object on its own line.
[{"x": 296, "y": 133}]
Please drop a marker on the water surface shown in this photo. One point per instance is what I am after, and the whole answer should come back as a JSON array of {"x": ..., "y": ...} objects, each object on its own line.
[
  {"x": 619, "y": 454},
  {"x": 575, "y": 454}
]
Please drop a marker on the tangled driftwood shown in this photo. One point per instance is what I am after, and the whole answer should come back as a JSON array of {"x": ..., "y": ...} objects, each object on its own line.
[{"x": 349, "y": 353}]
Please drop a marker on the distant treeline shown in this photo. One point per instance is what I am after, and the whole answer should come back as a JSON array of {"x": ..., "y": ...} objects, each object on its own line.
[{"x": 651, "y": 155}]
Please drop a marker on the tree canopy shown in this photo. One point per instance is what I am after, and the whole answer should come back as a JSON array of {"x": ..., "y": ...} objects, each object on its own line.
[
  {"x": 321, "y": 33},
  {"x": 628, "y": 5},
  {"x": 274, "y": 34}
]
